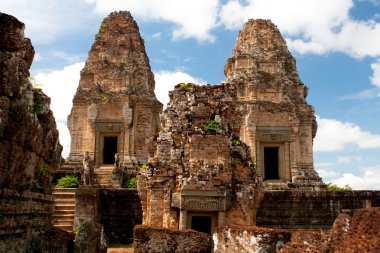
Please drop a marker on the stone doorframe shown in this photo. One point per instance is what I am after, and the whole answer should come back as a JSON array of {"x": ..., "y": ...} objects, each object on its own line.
[
  {"x": 107, "y": 128},
  {"x": 274, "y": 137},
  {"x": 202, "y": 202}
]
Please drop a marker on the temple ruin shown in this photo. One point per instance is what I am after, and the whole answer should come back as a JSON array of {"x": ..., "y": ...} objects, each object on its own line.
[
  {"x": 114, "y": 109},
  {"x": 216, "y": 149},
  {"x": 219, "y": 160}
]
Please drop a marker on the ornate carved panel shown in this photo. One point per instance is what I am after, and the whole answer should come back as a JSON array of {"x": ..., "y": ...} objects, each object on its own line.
[
  {"x": 203, "y": 203},
  {"x": 273, "y": 134},
  {"x": 197, "y": 201},
  {"x": 109, "y": 126}
]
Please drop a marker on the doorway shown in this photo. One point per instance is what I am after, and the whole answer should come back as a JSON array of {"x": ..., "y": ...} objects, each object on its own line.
[
  {"x": 109, "y": 149},
  {"x": 201, "y": 224},
  {"x": 271, "y": 169}
]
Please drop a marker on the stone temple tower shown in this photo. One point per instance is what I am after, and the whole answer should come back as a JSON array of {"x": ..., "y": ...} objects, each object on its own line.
[
  {"x": 279, "y": 125},
  {"x": 115, "y": 109}
]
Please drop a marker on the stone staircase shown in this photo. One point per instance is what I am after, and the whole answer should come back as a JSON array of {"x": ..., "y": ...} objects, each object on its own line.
[
  {"x": 103, "y": 177},
  {"x": 64, "y": 208}
]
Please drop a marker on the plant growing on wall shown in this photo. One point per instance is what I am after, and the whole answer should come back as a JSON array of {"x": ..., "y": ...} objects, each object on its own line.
[
  {"x": 77, "y": 231},
  {"x": 131, "y": 183},
  {"x": 184, "y": 86},
  {"x": 212, "y": 126},
  {"x": 236, "y": 143}
]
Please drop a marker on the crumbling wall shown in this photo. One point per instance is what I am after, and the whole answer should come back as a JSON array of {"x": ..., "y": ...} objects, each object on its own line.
[
  {"x": 29, "y": 146},
  {"x": 357, "y": 232},
  {"x": 156, "y": 239},
  {"x": 310, "y": 210},
  {"x": 200, "y": 153},
  {"x": 118, "y": 210},
  {"x": 249, "y": 239}
]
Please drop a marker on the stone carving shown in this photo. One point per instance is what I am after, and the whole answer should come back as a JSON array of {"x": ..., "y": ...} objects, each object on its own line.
[
  {"x": 88, "y": 169},
  {"x": 204, "y": 204},
  {"x": 117, "y": 173},
  {"x": 273, "y": 134}
]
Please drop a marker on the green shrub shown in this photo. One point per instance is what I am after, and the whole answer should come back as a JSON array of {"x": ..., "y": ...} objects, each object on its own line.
[
  {"x": 334, "y": 187},
  {"x": 68, "y": 182},
  {"x": 236, "y": 143},
  {"x": 130, "y": 183},
  {"x": 184, "y": 86},
  {"x": 212, "y": 126}
]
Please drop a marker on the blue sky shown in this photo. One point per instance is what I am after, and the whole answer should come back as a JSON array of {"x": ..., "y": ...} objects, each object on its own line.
[{"x": 336, "y": 45}]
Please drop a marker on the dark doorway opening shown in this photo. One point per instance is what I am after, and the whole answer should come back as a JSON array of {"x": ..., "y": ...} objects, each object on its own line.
[
  {"x": 201, "y": 224},
  {"x": 271, "y": 163},
  {"x": 109, "y": 149}
]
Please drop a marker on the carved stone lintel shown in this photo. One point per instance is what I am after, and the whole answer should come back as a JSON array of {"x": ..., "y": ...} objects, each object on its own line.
[{"x": 273, "y": 134}]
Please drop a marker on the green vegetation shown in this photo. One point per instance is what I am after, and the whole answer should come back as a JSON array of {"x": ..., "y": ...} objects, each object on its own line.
[
  {"x": 212, "y": 126},
  {"x": 236, "y": 143},
  {"x": 334, "y": 187},
  {"x": 184, "y": 86},
  {"x": 35, "y": 83},
  {"x": 77, "y": 232},
  {"x": 68, "y": 182},
  {"x": 101, "y": 27},
  {"x": 131, "y": 183},
  {"x": 143, "y": 167}
]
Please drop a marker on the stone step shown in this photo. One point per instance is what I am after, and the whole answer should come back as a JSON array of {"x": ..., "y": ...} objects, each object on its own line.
[
  {"x": 65, "y": 217},
  {"x": 68, "y": 228},
  {"x": 63, "y": 212},
  {"x": 68, "y": 190},
  {"x": 65, "y": 201},
  {"x": 64, "y": 207},
  {"x": 64, "y": 222}
]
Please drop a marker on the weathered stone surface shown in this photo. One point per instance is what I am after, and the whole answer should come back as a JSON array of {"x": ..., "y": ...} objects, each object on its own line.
[
  {"x": 249, "y": 239},
  {"x": 197, "y": 169},
  {"x": 91, "y": 239},
  {"x": 155, "y": 239},
  {"x": 305, "y": 241},
  {"x": 29, "y": 145},
  {"x": 58, "y": 241},
  {"x": 361, "y": 233},
  {"x": 115, "y": 99},
  {"x": 357, "y": 233},
  {"x": 120, "y": 212},
  {"x": 297, "y": 210},
  {"x": 276, "y": 113},
  {"x": 216, "y": 143}
]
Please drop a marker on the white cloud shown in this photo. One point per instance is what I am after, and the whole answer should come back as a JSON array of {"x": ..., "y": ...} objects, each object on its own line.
[
  {"x": 369, "y": 180},
  {"x": 327, "y": 174},
  {"x": 191, "y": 20},
  {"x": 166, "y": 80},
  {"x": 343, "y": 159},
  {"x": 363, "y": 95},
  {"x": 47, "y": 20},
  {"x": 334, "y": 135},
  {"x": 156, "y": 36},
  {"x": 375, "y": 78},
  {"x": 60, "y": 86},
  {"x": 310, "y": 26}
]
